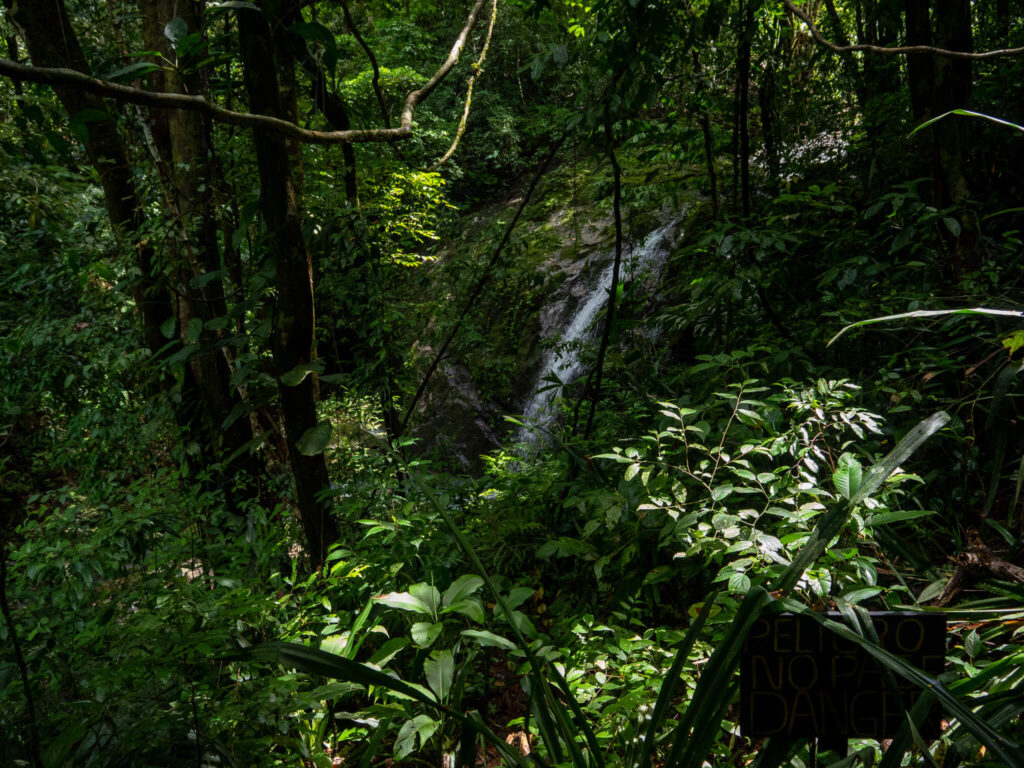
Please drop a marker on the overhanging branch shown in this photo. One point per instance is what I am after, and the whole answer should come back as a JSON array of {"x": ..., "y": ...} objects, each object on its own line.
[
  {"x": 896, "y": 50},
  {"x": 59, "y": 76}
]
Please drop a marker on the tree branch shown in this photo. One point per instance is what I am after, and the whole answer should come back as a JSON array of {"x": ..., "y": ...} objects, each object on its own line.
[
  {"x": 477, "y": 69},
  {"x": 59, "y": 76},
  {"x": 896, "y": 50}
]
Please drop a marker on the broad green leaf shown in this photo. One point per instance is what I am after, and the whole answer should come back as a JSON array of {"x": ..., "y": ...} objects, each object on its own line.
[
  {"x": 518, "y": 596},
  {"x": 932, "y": 591},
  {"x": 298, "y": 374},
  {"x": 428, "y": 595},
  {"x": 439, "y": 670},
  {"x": 972, "y": 643},
  {"x": 422, "y": 726},
  {"x": 403, "y": 601},
  {"x": 864, "y": 593},
  {"x": 424, "y": 633},
  {"x": 848, "y": 475},
  {"x": 739, "y": 582},
  {"x": 1013, "y": 341},
  {"x": 315, "y": 439},
  {"x": 387, "y": 651},
  {"x": 883, "y": 518},
  {"x": 488, "y": 639},
  {"x": 470, "y": 607},
  {"x": 461, "y": 588}
]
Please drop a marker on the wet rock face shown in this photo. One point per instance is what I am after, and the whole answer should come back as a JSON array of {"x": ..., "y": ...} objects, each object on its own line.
[
  {"x": 454, "y": 421},
  {"x": 571, "y": 319},
  {"x": 455, "y": 424}
]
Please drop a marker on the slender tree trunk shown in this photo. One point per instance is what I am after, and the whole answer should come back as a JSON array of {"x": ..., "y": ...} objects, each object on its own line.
[
  {"x": 705, "y": 126},
  {"x": 743, "y": 103},
  {"x": 952, "y": 90},
  {"x": 293, "y": 333},
  {"x": 919, "y": 65}
]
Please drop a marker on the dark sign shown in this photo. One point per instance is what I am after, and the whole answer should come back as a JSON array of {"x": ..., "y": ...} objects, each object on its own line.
[{"x": 797, "y": 678}]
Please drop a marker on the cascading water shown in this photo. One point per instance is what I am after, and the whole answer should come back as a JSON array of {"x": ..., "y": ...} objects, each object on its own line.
[{"x": 563, "y": 363}]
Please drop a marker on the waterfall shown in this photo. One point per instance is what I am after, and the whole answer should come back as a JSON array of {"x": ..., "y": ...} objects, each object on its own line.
[{"x": 563, "y": 363}]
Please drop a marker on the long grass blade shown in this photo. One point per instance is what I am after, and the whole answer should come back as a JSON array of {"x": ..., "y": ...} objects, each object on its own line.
[{"x": 929, "y": 313}]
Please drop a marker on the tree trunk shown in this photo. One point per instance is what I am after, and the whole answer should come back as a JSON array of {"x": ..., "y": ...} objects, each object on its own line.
[
  {"x": 182, "y": 146},
  {"x": 293, "y": 333},
  {"x": 743, "y": 101},
  {"x": 952, "y": 90},
  {"x": 919, "y": 65}
]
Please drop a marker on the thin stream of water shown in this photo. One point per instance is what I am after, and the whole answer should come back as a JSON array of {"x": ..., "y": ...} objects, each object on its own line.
[{"x": 563, "y": 363}]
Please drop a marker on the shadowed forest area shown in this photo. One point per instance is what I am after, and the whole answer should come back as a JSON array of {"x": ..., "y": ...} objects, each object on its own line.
[{"x": 460, "y": 383}]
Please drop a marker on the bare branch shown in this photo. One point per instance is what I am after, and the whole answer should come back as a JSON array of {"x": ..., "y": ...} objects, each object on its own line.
[
  {"x": 896, "y": 50},
  {"x": 59, "y": 76}
]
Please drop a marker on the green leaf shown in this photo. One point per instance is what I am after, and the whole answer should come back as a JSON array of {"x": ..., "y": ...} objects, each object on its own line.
[
  {"x": 387, "y": 651},
  {"x": 403, "y": 601},
  {"x": 422, "y": 726},
  {"x": 132, "y": 71},
  {"x": 972, "y": 643},
  {"x": 864, "y": 593},
  {"x": 1013, "y": 341},
  {"x": 848, "y": 475},
  {"x": 883, "y": 518},
  {"x": 739, "y": 583},
  {"x": 518, "y": 596},
  {"x": 440, "y": 670},
  {"x": 932, "y": 591},
  {"x": 315, "y": 439},
  {"x": 428, "y": 595},
  {"x": 238, "y": 4},
  {"x": 488, "y": 639},
  {"x": 298, "y": 374},
  {"x": 461, "y": 588},
  {"x": 470, "y": 607},
  {"x": 321, "y": 34},
  {"x": 167, "y": 327},
  {"x": 425, "y": 633}
]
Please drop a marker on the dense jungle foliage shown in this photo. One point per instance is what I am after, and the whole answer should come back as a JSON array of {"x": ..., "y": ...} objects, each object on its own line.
[{"x": 280, "y": 279}]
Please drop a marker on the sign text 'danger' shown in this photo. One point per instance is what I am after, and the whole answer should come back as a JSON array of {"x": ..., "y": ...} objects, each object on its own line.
[{"x": 800, "y": 679}]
